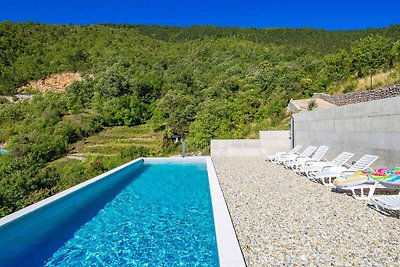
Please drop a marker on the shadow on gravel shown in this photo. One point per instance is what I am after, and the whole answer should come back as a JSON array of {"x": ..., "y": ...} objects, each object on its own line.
[
  {"x": 340, "y": 191},
  {"x": 389, "y": 213}
]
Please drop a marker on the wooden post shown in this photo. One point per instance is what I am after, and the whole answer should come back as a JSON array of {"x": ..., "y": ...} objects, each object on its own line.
[{"x": 370, "y": 87}]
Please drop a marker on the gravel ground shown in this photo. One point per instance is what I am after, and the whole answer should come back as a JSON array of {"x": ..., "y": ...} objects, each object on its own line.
[{"x": 283, "y": 219}]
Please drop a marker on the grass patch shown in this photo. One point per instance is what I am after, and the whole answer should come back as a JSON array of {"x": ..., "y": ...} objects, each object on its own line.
[
  {"x": 378, "y": 80},
  {"x": 381, "y": 79}
]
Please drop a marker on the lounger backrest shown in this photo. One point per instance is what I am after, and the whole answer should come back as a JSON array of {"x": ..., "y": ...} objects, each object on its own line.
[
  {"x": 342, "y": 158},
  {"x": 308, "y": 151},
  {"x": 320, "y": 153},
  {"x": 295, "y": 149},
  {"x": 364, "y": 162}
]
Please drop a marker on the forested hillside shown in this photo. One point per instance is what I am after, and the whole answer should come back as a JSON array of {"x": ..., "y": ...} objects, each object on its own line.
[
  {"x": 196, "y": 83},
  {"x": 320, "y": 41}
]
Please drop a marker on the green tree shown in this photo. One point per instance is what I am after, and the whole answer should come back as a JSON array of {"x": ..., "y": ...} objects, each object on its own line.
[
  {"x": 113, "y": 83},
  {"x": 338, "y": 66},
  {"x": 174, "y": 114},
  {"x": 372, "y": 54},
  {"x": 396, "y": 52}
]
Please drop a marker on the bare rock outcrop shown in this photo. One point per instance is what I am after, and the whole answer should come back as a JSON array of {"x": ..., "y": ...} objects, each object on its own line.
[{"x": 57, "y": 82}]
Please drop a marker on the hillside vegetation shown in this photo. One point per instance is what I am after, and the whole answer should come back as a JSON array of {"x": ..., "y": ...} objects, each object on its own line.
[
  {"x": 196, "y": 83},
  {"x": 321, "y": 41}
]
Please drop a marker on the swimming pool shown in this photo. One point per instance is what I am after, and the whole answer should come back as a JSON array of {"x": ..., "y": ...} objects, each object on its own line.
[
  {"x": 146, "y": 213},
  {"x": 3, "y": 151},
  {"x": 124, "y": 218}
]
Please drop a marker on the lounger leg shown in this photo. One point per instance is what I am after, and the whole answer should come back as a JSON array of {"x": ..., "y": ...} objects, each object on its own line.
[
  {"x": 363, "y": 196},
  {"x": 371, "y": 191},
  {"x": 298, "y": 171},
  {"x": 309, "y": 175},
  {"x": 293, "y": 167},
  {"x": 377, "y": 207},
  {"x": 329, "y": 183}
]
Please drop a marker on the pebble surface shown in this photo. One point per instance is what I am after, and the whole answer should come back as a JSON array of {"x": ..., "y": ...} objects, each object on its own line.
[{"x": 283, "y": 219}]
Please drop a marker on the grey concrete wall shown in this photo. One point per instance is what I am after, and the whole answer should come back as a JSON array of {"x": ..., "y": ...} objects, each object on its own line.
[
  {"x": 365, "y": 128},
  {"x": 270, "y": 142},
  {"x": 235, "y": 148}
]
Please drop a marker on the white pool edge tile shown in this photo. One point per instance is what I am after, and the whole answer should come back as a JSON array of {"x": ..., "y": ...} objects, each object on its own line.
[
  {"x": 230, "y": 254},
  {"x": 176, "y": 159}
]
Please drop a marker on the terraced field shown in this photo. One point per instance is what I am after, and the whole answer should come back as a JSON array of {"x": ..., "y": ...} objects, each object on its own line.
[{"x": 113, "y": 141}]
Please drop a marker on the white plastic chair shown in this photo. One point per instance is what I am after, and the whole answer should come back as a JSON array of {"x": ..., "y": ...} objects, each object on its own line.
[
  {"x": 289, "y": 158},
  {"x": 313, "y": 167},
  {"x": 278, "y": 155},
  {"x": 328, "y": 174},
  {"x": 300, "y": 161}
]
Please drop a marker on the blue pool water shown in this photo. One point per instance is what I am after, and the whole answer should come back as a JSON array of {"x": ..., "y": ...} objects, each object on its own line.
[
  {"x": 3, "y": 151},
  {"x": 157, "y": 214}
]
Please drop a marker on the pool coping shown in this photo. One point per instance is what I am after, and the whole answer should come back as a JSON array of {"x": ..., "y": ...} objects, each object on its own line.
[{"x": 229, "y": 252}]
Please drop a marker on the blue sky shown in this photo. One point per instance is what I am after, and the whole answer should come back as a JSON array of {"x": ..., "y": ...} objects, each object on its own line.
[{"x": 329, "y": 14}]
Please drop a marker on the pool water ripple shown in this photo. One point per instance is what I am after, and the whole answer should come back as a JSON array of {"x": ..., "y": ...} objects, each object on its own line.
[{"x": 162, "y": 218}]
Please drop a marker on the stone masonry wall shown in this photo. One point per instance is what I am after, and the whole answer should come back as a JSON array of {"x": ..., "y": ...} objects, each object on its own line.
[{"x": 358, "y": 97}]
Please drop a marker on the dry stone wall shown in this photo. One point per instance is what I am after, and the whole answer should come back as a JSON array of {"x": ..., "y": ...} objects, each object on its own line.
[{"x": 358, "y": 97}]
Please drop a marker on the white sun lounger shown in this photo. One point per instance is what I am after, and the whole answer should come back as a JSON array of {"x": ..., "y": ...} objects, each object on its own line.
[
  {"x": 328, "y": 174},
  {"x": 365, "y": 191},
  {"x": 289, "y": 158},
  {"x": 278, "y": 155},
  {"x": 387, "y": 202},
  {"x": 300, "y": 161},
  {"x": 313, "y": 167}
]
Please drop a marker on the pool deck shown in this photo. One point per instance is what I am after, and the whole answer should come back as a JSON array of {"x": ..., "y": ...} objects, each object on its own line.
[{"x": 283, "y": 219}]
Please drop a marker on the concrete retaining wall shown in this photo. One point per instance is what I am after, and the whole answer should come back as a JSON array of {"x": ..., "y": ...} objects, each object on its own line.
[
  {"x": 235, "y": 148},
  {"x": 365, "y": 128},
  {"x": 274, "y": 141},
  {"x": 270, "y": 142}
]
